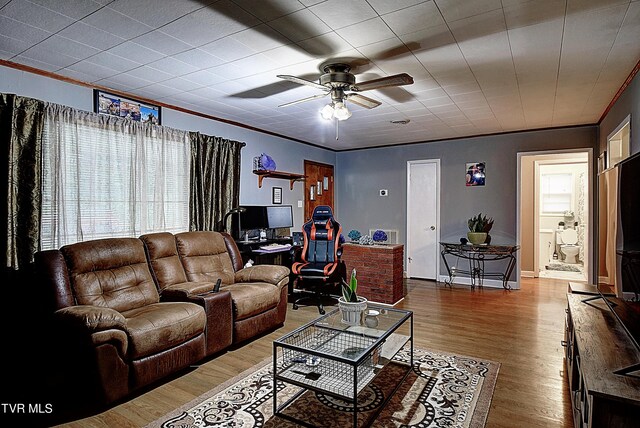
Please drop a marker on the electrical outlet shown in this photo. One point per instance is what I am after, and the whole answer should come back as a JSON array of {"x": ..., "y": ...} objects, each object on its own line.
[{"x": 384, "y": 192}]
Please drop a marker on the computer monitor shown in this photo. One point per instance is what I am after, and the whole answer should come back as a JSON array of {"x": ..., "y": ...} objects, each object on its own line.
[{"x": 279, "y": 216}]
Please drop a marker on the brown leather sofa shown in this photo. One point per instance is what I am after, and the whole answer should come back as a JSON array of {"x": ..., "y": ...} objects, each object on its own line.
[
  {"x": 127, "y": 312},
  {"x": 188, "y": 264}
]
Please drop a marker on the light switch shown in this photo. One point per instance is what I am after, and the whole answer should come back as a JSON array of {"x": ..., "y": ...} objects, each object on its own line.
[{"x": 299, "y": 204}]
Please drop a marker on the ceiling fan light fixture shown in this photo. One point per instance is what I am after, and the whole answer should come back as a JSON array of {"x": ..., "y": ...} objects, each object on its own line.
[
  {"x": 341, "y": 112},
  {"x": 327, "y": 112}
]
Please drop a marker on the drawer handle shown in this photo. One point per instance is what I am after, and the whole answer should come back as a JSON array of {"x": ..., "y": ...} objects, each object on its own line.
[{"x": 564, "y": 343}]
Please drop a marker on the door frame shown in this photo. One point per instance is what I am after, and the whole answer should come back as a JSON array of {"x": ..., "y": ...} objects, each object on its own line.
[
  {"x": 408, "y": 219},
  {"x": 591, "y": 176}
]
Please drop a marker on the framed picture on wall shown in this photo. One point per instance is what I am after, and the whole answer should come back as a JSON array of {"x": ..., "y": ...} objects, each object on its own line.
[
  {"x": 115, "y": 105},
  {"x": 276, "y": 196},
  {"x": 475, "y": 174}
]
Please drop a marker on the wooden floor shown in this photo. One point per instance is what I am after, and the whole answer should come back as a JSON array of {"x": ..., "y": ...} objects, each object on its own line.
[{"x": 520, "y": 329}]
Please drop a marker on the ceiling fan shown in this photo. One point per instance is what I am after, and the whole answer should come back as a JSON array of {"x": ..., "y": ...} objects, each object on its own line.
[{"x": 336, "y": 81}]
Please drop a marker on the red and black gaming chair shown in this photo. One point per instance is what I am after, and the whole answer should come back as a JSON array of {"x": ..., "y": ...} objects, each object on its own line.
[{"x": 318, "y": 264}]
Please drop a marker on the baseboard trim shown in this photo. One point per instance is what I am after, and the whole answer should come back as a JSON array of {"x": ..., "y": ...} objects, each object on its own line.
[
  {"x": 527, "y": 274},
  {"x": 490, "y": 283}
]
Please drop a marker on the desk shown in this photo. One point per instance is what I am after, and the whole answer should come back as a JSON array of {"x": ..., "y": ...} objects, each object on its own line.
[
  {"x": 251, "y": 250},
  {"x": 477, "y": 255}
]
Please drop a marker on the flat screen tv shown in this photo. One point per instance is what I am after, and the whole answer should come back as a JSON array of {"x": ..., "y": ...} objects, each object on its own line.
[{"x": 280, "y": 216}]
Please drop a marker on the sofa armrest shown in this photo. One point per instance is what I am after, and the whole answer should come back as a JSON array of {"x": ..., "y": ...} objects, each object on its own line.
[
  {"x": 271, "y": 274},
  {"x": 91, "y": 318}
]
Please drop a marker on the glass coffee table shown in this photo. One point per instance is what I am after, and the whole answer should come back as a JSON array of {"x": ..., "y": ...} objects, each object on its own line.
[{"x": 340, "y": 360}]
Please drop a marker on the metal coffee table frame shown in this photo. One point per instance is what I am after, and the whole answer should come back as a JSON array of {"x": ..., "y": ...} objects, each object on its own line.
[{"x": 341, "y": 377}]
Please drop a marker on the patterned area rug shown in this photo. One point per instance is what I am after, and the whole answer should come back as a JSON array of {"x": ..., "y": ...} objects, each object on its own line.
[{"x": 442, "y": 390}]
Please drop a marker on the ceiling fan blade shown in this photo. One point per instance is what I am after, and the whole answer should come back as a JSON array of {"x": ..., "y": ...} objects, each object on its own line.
[
  {"x": 383, "y": 82},
  {"x": 313, "y": 97},
  {"x": 363, "y": 101},
  {"x": 301, "y": 81}
]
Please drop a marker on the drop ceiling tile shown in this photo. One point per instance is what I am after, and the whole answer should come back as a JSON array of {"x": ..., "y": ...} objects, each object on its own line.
[
  {"x": 135, "y": 52},
  {"x": 83, "y": 77},
  {"x": 268, "y": 11},
  {"x": 156, "y": 13},
  {"x": 533, "y": 13},
  {"x": 437, "y": 102},
  {"x": 91, "y": 69},
  {"x": 173, "y": 66},
  {"x": 338, "y": 13},
  {"x": 420, "y": 16},
  {"x": 76, "y": 9},
  {"x": 151, "y": 75},
  {"x": 157, "y": 91},
  {"x": 4, "y": 54},
  {"x": 300, "y": 25},
  {"x": 261, "y": 38},
  {"x": 453, "y": 10},
  {"x": 35, "y": 15},
  {"x": 288, "y": 55},
  {"x": 210, "y": 23},
  {"x": 582, "y": 5},
  {"x": 366, "y": 32},
  {"x": 181, "y": 84},
  {"x": 116, "y": 23},
  {"x": 198, "y": 59},
  {"x": 203, "y": 78},
  {"x": 245, "y": 67},
  {"x": 35, "y": 63},
  {"x": 20, "y": 31},
  {"x": 92, "y": 36},
  {"x": 329, "y": 44},
  {"x": 228, "y": 49},
  {"x": 383, "y": 7},
  {"x": 124, "y": 82},
  {"x": 3, "y": 3},
  {"x": 430, "y": 94},
  {"x": 161, "y": 42},
  {"x": 13, "y": 46},
  {"x": 45, "y": 54},
  {"x": 114, "y": 62},
  {"x": 69, "y": 47}
]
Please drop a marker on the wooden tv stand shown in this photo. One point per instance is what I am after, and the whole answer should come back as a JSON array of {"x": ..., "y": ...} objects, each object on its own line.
[{"x": 596, "y": 346}]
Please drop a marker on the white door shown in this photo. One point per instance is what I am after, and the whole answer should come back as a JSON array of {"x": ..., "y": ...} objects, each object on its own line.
[{"x": 423, "y": 231}]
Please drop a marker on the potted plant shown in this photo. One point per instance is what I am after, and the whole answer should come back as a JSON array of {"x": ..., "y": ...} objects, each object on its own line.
[
  {"x": 479, "y": 227},
  {"x": 350, "y": 304}
]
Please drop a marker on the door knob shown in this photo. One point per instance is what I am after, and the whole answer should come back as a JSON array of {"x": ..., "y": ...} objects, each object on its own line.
[{"x": 432, "y": 228}]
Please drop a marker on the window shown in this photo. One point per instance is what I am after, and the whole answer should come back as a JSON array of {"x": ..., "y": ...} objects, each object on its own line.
[
  {"x": 107, "y": 177},
  {"x": 618, "y": 143},
  {"x": 556, "y": 193}
]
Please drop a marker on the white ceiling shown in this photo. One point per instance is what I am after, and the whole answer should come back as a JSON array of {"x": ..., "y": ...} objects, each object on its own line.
[{"x": 479, "y": 66}]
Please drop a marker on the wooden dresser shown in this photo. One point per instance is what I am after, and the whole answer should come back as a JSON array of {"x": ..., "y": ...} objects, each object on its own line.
[{"x": 596, "y": 345}]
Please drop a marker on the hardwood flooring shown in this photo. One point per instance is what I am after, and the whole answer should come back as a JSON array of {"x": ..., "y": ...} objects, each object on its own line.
[{"x": 521, "y": 329}]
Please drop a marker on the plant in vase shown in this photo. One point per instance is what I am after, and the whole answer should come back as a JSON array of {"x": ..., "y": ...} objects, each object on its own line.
[
  {"x": 479, "y": 227},
  {"x": 350, "y": 304}
]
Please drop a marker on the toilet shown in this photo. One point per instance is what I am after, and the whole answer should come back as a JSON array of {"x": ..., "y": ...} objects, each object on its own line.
[{"x": 567, "y": 239}]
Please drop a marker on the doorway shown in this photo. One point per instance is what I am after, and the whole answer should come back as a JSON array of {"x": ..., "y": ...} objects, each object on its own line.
[
  {"x": 423, "y": 218},
  {"x": 555, "y": 214},
  {"x": 318, "y": 186}
]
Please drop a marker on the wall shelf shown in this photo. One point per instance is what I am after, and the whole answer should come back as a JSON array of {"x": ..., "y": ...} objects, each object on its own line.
[{"x": 292, "y": 177}]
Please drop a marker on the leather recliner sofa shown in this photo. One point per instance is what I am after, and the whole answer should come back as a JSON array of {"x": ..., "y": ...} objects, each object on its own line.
[{"x": 126, "y": 312}]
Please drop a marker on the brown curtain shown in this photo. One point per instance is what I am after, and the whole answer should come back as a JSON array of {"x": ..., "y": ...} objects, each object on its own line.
[
  {"x": 21, "y": 124},
  {"x": 215, "y": 180}
]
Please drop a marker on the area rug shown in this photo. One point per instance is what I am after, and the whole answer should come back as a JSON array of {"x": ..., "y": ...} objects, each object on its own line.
[
  {"x": 562, "y": 267},
  {"x": 442, "y": 390}
]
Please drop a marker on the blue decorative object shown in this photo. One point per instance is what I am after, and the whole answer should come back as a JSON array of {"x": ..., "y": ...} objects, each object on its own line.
[
  {"x": 379, "y": 236},
  {"x": 365, "y": 240},
  {"x": 354, "y": 235},
  {"x": 341, "y": 239},
  {"x": 267, "y": 163}
]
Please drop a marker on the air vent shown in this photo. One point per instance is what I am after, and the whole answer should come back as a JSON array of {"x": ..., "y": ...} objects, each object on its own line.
[{"x": 401, "y": 122}]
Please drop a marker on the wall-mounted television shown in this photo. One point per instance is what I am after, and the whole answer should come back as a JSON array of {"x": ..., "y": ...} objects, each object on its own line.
[{"x": 279, "y": 216}]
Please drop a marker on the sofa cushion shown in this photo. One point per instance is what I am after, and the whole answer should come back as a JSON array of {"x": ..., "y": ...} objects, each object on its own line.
[
  {"x": 204, "y": 257},
  {"x": 163, "y": 259},
  {"x": 160, "y": 326},
  {"x": 252, "y": 298},
  {"x": 111, "y": 273}
]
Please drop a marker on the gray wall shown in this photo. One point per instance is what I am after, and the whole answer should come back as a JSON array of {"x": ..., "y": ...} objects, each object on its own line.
[
  {"x": 364, "y": 172},
  {"x": 288, "y": 155},
  {"x": 628, "y": 103}
]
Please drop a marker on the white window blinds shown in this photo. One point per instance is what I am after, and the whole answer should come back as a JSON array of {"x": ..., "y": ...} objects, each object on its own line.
[
  {"x": 556, "y": 192},
  {"x": 110, "y": 177}
]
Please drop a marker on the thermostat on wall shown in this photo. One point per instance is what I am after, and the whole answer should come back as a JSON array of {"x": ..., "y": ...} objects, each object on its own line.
[{"x": 384, "y": 192}]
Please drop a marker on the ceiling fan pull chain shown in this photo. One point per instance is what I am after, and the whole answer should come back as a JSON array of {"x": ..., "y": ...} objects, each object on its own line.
[{"x": 337, "y": 122}]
